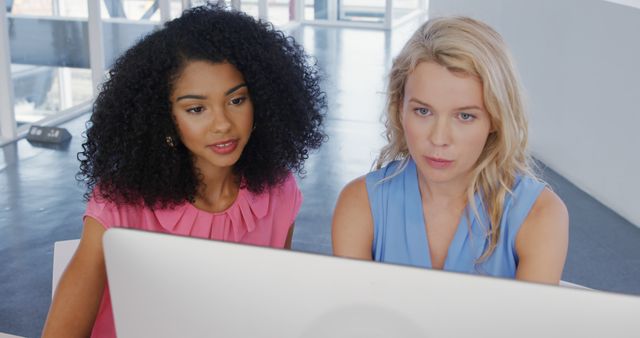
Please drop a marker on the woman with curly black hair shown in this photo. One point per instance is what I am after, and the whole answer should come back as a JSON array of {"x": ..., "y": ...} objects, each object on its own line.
[{"x": 196, "y": 133}]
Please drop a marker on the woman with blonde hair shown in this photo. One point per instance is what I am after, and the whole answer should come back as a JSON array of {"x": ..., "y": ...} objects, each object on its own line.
[{"x": 454, "y": 187}]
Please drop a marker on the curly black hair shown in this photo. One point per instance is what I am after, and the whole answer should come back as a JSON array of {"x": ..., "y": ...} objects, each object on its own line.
[{"x": 126, "y": 153}]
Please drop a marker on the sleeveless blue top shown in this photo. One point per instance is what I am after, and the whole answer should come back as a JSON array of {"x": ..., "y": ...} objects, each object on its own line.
[{"x": 400, "y": 236}]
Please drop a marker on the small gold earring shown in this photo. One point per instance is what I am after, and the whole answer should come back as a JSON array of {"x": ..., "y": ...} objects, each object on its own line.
[{"x": 170, "y": 142}]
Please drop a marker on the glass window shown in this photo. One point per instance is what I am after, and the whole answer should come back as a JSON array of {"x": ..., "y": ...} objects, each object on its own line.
[
  {"x": 316, "y": 9},
  {"x": 250, "y": 7},
  {"x": 402, "y": 8},
  {"x": 50, "y": 68},
  {"x": 280, "y": 12},
  {"x": 362, "y": 10},
  {"x": 46, "y": 71}
]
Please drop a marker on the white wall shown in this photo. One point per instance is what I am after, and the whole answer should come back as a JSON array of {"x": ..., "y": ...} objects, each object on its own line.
[{"x": 580, "y": 64}]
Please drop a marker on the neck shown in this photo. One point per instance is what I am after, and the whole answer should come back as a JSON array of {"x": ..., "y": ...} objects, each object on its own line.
[
  {"x": 446, "y": 194},
  {"x": 218, "y": 189}
]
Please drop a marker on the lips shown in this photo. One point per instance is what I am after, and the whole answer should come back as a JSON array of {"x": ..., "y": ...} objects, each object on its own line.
[
  {"x": 224, "y": 147},
  {"x": 438, "y": 163}
]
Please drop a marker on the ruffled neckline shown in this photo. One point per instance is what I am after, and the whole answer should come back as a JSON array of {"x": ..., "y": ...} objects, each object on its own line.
[{"x": 231, "y": 224}]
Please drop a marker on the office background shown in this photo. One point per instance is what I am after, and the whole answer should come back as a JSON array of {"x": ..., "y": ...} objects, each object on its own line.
[{"x": 577, "y": 59}]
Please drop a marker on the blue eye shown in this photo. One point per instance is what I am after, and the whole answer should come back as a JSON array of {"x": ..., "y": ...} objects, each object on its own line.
[
  {"x": 195, "y": 110},
  {"x": 466, "y": 117},
  {"x": 422, "y": 111}
]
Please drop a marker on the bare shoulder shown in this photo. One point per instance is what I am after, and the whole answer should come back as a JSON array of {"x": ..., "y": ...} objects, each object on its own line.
[
  {"x": 352, "y": 227},
  {"x": 548, "y": 210},
  {"x": 353, "y": 201},
  {"x": 355, "y": 190}
]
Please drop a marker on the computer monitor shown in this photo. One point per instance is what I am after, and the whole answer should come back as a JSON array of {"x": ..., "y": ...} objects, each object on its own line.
[{"x": 169, "y": 286}]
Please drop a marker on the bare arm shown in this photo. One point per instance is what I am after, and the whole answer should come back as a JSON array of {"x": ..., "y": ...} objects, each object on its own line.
[
  {"x": 543, "y": 240},
  {"x": 352, "y": 228},
  {"x": 77, "y": 298},
  {"x": 289, "y": 240}
]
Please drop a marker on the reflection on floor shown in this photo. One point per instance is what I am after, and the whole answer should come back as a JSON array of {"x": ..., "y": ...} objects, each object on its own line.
[{"x": 40, "y": 202}]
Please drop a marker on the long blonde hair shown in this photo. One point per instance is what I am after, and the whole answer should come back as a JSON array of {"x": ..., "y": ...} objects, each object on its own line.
[{"x": 464, "y": 45}]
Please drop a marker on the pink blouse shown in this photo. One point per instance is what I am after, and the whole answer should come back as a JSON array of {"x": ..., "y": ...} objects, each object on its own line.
[{"x": 263, "y": 220}]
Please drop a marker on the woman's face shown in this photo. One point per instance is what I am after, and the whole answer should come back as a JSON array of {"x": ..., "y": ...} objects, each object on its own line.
[
  {"x": 213, "y": 113},
  {"x": 445, "y": 122}
]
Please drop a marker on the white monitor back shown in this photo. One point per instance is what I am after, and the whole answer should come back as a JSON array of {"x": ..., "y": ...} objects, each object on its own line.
[{"x": 168, "y": 286}]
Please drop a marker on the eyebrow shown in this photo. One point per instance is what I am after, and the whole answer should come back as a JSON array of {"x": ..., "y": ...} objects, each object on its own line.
[
  {"x": 202, "y": 97},
  {"x": 195, "y": 97},
  {"x": 459, "y": 108},
  {"x": 235, "y": 88}
]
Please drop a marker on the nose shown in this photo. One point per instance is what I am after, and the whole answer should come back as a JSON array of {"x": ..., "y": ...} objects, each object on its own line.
[
  {"x": 220, "y": 123},
  {"x": 440, "y": 132}
]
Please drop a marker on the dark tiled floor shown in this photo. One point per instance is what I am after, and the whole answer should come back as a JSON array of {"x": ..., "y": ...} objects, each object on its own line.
[{"x": 41, "y": 203}]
